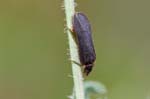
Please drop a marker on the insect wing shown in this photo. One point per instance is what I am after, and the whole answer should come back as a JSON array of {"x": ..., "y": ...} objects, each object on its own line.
[{"x": 82, "y": 28}]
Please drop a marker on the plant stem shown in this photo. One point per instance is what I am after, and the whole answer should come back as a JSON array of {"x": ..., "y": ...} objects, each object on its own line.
[{"x": 77, "y": 74}]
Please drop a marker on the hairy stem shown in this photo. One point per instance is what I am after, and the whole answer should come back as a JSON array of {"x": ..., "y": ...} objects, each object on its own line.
[{"x": 77, "y": 74}]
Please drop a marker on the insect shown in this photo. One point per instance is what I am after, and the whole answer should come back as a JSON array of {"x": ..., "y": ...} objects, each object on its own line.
[{"x": 83, "y": 36}]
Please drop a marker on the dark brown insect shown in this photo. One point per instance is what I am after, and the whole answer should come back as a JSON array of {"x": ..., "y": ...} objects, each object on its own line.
[{"x": 82, "y": 30}]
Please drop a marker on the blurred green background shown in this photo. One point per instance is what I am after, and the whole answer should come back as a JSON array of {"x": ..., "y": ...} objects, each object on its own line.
[{"x": 33, "y": 48}]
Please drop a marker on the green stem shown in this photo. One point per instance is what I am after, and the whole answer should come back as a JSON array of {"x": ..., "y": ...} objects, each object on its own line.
[{"x": 77, "y": 73}]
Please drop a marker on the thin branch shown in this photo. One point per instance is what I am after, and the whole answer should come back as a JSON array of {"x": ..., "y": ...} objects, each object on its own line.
[{"x": 77, "y": 74}]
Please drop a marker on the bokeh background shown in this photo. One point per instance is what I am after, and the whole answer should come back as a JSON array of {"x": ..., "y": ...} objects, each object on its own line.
[{"x": 33, "y": 48}]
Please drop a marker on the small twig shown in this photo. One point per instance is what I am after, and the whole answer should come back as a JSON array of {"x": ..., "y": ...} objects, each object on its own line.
[{"x": 77, "y": 74}]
